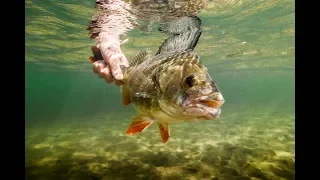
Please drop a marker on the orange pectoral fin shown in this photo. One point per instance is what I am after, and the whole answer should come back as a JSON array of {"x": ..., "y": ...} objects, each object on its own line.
[
  {"x": 164, "y": 131},
  {"x": 126, "y": 95},
  {"x": 138, "y": 125}
]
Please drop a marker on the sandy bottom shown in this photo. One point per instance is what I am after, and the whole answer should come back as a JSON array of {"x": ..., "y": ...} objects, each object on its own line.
[{"x": 255, "y": 146}]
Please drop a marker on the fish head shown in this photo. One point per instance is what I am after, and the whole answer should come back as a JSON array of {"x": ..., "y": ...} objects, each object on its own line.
[
  {"x": 201, "y": 98},
  {"x": 189, "y": 91}
]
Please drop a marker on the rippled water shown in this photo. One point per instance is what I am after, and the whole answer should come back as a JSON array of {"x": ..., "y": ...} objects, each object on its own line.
[{"x": 75, "y": 122}]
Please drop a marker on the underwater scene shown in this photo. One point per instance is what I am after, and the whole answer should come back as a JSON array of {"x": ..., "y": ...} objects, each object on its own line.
[{"x": 76, "y": 124}]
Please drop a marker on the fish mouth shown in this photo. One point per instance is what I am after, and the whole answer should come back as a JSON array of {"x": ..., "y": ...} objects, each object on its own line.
[
  {"x": 204, "y": 107},
  {"x": 215, "y": 101}
]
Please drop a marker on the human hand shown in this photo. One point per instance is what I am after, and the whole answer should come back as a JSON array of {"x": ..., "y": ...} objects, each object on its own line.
[{"x": 107, "y": 62}]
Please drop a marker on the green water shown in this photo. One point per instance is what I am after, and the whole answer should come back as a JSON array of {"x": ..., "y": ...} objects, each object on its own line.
[{"x": 75, "y": 122}]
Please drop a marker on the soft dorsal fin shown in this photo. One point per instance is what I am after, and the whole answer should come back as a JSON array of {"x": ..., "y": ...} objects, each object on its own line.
[{"x": 143, "y": 55}]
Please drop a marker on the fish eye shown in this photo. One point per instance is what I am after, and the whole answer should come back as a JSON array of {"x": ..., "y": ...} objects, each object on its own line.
[{"x": 190, "y": 80}]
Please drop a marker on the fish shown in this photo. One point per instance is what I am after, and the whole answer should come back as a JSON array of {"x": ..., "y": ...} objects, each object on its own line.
[{"x": 171, "y": 87}]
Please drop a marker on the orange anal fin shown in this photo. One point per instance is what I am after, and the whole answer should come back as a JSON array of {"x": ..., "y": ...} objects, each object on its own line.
[
  {"x": 126, "y": 95},
  {"x": 164, "y": 131},
  {"x": 138, "y": 125}
]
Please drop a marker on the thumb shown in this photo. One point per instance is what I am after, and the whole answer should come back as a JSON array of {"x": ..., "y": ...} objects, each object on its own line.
[
  {"x": 124, "y": 61},
  {"x": 115, "y": 69}
]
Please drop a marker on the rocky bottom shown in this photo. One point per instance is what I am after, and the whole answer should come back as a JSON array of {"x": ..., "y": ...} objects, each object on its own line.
[{"x": 253, "y": 147}]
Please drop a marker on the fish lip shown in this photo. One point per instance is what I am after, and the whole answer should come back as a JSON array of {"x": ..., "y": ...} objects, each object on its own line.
[
  {"x": 210, "y": 101},
  {"x": 204, "y": 111},
  {"x": 210, "y": 115},
  {"x": 210, "y": 105},
  {"x": 213, "y": 101}
]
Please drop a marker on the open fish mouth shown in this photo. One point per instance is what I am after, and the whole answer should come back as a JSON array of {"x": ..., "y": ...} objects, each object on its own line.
[{"x": 204, "y": 107}]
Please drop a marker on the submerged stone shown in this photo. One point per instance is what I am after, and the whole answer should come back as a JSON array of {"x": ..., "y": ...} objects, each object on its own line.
[
  {"x": 192, "y": 167},
  {"x": 283, "y": 172},
  {"x": 255, "y": 172},
  {"x": 242, "y": 178},
  {"x": 231, "y": 171},
  {"x": 224, "y": 162}
]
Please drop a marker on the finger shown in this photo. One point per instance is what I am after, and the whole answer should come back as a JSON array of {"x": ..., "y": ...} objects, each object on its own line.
[
  {"x": 108, "y": 81},
  {"x": 124, "y": 61},
  {"x": 98, "y": 65},
  {"x": 115, "y": 69},
  {"x": 95, "y": 67},
  {"x": 106, "y": 74},
  {"x": 100, "y": 75},
  {"x": 118, "y": 83}
]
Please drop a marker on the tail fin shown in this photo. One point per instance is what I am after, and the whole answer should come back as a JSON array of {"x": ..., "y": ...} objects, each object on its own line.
[
  {"x": 185, "y": 35},
  {"x": 96, "y": 54}
]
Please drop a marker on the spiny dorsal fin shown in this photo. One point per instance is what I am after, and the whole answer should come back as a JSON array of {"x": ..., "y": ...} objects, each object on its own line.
[{"x": 143, "y": 55}]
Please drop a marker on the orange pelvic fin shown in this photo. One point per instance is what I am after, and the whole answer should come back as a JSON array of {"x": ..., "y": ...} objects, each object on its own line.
[
  {"x": 164, "y": 131},
  {"x": 138, "y": 124}
]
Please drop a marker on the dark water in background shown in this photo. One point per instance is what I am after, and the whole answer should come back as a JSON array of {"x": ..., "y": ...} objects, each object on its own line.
[{"x": 248, "y": 47}]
